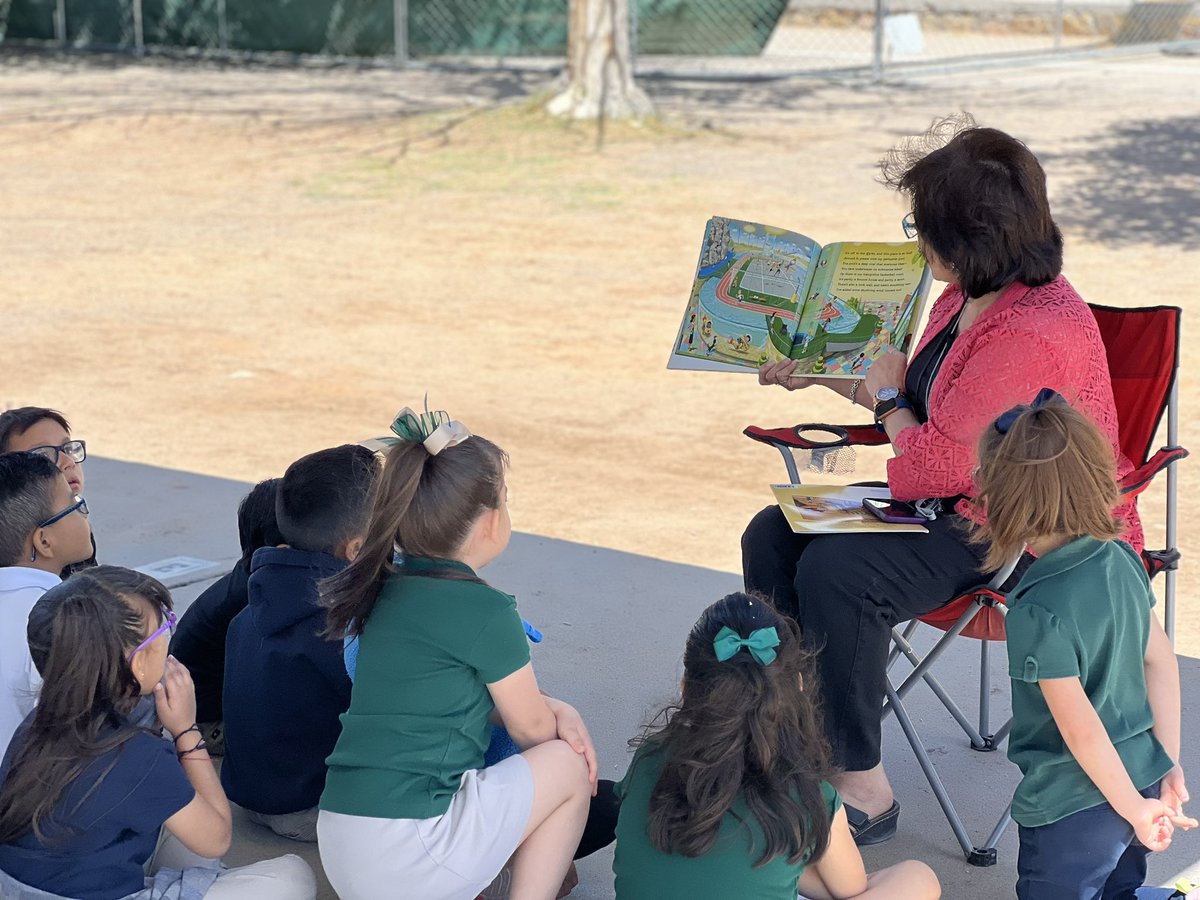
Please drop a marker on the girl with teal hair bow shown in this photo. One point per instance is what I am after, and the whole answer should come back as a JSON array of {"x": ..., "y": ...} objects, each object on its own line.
[{"x": 731, "y": 796}]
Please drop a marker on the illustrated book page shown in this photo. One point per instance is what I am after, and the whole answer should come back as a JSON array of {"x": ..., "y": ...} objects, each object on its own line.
[{"x": 763, "y": 294}]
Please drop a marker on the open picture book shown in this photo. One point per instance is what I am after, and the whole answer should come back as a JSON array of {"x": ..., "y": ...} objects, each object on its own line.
[
  {"x": 763, "y": 294},
  {"x": 832, "y": 508}
]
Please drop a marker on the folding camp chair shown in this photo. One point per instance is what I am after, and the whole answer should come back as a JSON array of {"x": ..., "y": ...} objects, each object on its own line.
[{"x": 1142, "y": 346}]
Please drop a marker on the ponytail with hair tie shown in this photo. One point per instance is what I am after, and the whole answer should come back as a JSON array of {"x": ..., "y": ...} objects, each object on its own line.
[{"x": 419, "y": 509}]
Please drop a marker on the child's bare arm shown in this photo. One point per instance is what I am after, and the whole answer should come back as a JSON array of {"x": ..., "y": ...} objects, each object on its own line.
[
  {"x": 839, "y": 872},
  {"x": 523, "y": 709},
  {"x": 1089, "y": 743},
  {"x": 1162, "y": 688}
]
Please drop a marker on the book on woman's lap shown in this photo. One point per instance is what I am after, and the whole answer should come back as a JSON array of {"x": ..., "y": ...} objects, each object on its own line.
[
  {"x": 833, "y": 509},
  {"x": 764, "y": 294}
]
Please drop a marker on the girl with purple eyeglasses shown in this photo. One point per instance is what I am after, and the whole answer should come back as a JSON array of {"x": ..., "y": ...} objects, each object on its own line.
[{"x": 94, "y": 807}]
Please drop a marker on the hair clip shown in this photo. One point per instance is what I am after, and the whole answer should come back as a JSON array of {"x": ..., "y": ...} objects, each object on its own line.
[
  {"x": 1045, "y": 397},
  {"x": 436, "y": 430},
  {"x": 761, "y": 644}
]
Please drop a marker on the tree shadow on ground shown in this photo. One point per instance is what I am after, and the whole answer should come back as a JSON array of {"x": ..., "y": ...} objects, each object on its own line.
[{"x": 1139, "y": 182}]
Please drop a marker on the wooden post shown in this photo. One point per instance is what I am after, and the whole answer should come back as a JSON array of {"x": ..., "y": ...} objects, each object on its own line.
[
  {"x": 400, "y": 33},
  {"x": 222, "y": 27},
  {"x": 139, "y": 35},
  {"x": 877, "y": 49}
]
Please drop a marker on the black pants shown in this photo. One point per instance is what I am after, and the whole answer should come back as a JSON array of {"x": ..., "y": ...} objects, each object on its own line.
[
  {"x": 847, "y": 591},
  {"x": 601, "y": 827}
]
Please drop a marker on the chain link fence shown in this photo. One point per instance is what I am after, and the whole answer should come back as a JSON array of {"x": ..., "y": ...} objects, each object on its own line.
[{"x": 705, "y": 38}]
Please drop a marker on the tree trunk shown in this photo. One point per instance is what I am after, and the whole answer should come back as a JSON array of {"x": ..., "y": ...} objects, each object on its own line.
[{"x": 600, "y": 64}]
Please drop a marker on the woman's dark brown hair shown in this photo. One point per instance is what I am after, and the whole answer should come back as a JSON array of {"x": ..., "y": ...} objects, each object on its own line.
[
  {"x": 423, "y": 505},
  {"x": 80, "y": 634},
  {"x": 742, "y": 729},
  {"x": 979, "y": 202}
]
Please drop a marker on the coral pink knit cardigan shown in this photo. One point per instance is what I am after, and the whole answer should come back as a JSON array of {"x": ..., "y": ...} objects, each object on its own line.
[{"x": 1028, "y": 339}]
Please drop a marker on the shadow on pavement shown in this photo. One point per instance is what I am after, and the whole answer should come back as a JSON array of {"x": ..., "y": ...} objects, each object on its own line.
[{"x": 1139, "y": 182}]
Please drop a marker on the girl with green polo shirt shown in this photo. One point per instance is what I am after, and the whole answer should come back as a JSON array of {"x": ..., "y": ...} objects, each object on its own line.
[
  {"x": 731, "y": 797},
  {"x": 1095, "y": 684},
  {"x": 408, "y": 807}
]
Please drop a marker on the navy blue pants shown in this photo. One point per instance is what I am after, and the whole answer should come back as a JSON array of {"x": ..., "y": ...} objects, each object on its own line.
[{"x": 1089, "y": 855}]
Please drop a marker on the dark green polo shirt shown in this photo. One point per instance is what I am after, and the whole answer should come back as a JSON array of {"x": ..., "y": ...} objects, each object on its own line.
[
  {"x": 418, "y": 716},
  {"x": 1081, "y": 611},
  {"x": 726, "y": 871}
]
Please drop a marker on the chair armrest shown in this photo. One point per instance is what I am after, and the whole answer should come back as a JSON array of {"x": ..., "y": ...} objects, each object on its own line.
[
  {"x": 855, "y": 435},
  {"x": 1139, "y": 479}
]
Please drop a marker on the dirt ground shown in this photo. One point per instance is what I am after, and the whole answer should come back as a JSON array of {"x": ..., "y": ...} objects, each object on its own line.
[{"x": 220, "y": 269}]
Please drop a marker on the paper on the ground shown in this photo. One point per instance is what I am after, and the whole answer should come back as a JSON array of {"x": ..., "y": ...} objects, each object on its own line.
[
  {"x": 833, "y": 508},
  {"x": 174, "y": 569}
]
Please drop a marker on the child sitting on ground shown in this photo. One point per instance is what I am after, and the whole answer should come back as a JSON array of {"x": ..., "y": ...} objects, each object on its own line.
[
  {"x": 1095, "y": 684},
  {"x": 43, "y": 529},
  {"x": 731, "y": 796},
  {"x": 47, "y": 433},
  {"x": 86, "y": 792},
  {"x": 441, "y": 653},
  {"x": 199, "y": 641},
  {"x": 285, "y": 684}
]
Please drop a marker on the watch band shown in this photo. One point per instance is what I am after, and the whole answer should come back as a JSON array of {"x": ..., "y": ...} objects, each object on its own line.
[{"x": 885, "y": 408}]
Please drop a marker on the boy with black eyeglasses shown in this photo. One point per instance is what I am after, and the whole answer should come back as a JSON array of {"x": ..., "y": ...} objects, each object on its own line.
[
  {"x": 43, "y": 529},
  {"x": 48, "y": 433}
]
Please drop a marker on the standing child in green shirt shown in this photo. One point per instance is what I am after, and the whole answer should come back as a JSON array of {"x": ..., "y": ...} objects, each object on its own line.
[
  {"x": 731, "y": 798},
  {"x": 1095, "y": 683},
  {"x": 408, "y": 806}
]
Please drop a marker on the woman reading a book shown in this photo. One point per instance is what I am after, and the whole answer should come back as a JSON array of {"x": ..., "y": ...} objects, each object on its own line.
[{"x": 1007, "y": 325}]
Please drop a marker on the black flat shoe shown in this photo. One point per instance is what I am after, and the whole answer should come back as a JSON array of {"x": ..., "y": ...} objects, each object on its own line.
[{"x": 868, "y": 831}]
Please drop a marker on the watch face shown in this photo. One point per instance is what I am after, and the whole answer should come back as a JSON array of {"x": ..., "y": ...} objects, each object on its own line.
[{"x": 887, "y": 393}]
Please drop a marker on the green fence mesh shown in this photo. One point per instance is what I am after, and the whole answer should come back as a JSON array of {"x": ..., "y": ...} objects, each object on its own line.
[{"x": 365, "y": 27}]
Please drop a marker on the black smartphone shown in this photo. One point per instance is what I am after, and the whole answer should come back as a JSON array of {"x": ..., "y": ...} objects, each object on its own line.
[{"x": 897, "y": 512}]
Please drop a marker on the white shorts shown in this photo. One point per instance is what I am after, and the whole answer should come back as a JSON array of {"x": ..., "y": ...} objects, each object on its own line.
[{"x": 453, "y": 856}]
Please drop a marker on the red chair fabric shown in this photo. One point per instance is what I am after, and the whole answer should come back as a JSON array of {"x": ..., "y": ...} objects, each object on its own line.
[
  {"x": 1143, "y": 356},
  {"x": 988, "y": 624}
]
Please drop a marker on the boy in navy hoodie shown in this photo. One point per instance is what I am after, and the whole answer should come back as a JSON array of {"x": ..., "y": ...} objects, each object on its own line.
[{"x": 285, "y": 684}]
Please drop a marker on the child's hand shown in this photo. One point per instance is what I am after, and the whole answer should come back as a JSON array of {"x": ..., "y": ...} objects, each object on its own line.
[
  {"x": 1151, "y": 821},
  {"x": 1174, "y": 793},
  {"x": 175, "y": 697},
  {"x": 572, "y": 730}
]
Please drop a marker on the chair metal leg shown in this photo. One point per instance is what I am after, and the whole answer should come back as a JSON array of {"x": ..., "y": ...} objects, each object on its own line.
[
  {"x": 1172, "y": 504},
  {"x": 977, "y": 740},
  {"x": 976, "y": 856},
  {"x": 923, "y": 666},
  {"x": 1001, "y": 733},
  {"x": 998, "y": 831},
  {"x": 985, "y": 685},
  {"x": 790, "y": 462},
  {"x": 909, "y": 627}
]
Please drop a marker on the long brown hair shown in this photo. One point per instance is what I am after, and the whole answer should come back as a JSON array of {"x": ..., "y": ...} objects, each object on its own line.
[
  {"x": 1050, "y": 472},
  {"x": 742, "y": 729},
  {"x": 423, "y": 505},
  {"x": 80, "y": 634}
]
